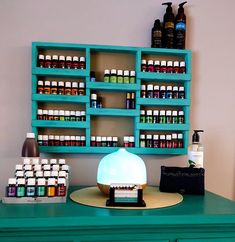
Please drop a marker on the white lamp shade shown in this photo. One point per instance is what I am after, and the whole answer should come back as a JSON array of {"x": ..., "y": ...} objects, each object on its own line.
[{"x": 121, "y": 167}]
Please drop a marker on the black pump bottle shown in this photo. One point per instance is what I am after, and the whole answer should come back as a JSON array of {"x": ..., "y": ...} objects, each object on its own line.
[
  {"x": 168, "y": 26},
  {"x": 180, "y": 27},
  {"x": 157, "y": 34}
]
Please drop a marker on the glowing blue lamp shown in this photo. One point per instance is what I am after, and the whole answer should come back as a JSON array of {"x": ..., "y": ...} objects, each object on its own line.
[{"x": 121, "y": 167}]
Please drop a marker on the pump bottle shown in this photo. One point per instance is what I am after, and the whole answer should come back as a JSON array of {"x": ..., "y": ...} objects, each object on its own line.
[
  {"x": 180, "y": 27},
  {"x": 157, "y": 34},
  {"x": 168, "y": 26},
  {"x": 195, "y": 151}
]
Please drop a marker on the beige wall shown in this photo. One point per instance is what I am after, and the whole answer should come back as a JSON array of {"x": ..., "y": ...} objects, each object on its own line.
[{"x": 210, "y": 36}]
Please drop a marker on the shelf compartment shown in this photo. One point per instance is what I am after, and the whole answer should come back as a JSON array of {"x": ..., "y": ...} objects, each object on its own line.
[
  {"x": 163, "y": 102},
  {"x": 112, "y": 86},
  {"x": 163, "y": 76},
  {"x": 60, "y": 98},
  {"x": 113, "y": 112},
  {"x": 60, "y": 124},
  {"x": 60, "y": 72},
  {"x": 107, "y": 150},
  {"x": 178, "y": 127}
]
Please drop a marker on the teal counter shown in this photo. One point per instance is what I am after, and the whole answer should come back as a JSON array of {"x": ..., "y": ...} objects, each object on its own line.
[{"x": 197, "y": 218}]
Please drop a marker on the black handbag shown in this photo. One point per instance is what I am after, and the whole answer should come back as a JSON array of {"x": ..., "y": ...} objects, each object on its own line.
[{"x": 184, "y": 180}]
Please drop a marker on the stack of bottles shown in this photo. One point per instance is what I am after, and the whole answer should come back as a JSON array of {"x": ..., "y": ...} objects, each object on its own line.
[
  {"x": 96, "y": 101},
  {"x": 119, "y": 76},
  {"x": 39, "y": 178},
  {"x": 55, "y": 61},
  {"x": 162, "y": 116},
  {"x": 61, "y": 88},
  {"x": 163, "y": 66},
  {"x": 174, "y": 140},
  {"x": 103, "y": 141},
  {"x": 61, "y": 115},
  {"x": 61, "y": 140},
  {"x": 164, "y": 92}
]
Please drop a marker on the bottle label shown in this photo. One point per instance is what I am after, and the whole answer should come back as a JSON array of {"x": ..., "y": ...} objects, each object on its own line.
[
  {"x": 180, "y": 26},
  {"x": 197, "y": 158},
  {"x": 169, "y": 25},
  {"x": 157, "y": 34}
]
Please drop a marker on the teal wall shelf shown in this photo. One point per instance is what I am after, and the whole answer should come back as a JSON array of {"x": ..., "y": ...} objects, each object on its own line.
[{"x": 132, "y": 61}]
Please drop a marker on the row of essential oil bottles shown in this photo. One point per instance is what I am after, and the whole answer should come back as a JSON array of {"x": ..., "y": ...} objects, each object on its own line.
[
  {"x": 103, "y": 141},
  {"x": 55, "y": 61},
  {"x": 162, "y": 116},
  {"x": 61, "y": 140},
  {"x": 164, "y": 92},
  {"x": 61, "y": 88},
  {"x": 61, "y": 115},
  {"x": 119, "y": 76},
  {"x": 31, "y": 179},
  {"x": 162, "y": 141},
  {"x": 163, "y": 66}
]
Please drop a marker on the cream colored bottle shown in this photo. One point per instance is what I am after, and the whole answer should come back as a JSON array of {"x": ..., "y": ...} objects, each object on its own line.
[{"x": 195, "y": 151}]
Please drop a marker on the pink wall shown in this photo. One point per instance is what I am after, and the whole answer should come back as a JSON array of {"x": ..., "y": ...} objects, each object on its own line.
[{"x": 210, "y": 36}]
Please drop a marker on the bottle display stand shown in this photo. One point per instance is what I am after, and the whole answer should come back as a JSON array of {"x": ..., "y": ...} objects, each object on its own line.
[
  {"x": 24, "y": 200},
  {"x": 98, "y": 58}
]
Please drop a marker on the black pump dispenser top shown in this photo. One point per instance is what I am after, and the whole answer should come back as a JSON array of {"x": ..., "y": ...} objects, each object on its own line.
[
  {"x": 169, "y": 8},
  {"x": 181, "y": 8},
  {"x": 196, "y": 137}
]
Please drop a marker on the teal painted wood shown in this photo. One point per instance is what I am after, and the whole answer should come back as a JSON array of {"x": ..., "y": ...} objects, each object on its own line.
[
  {"x": 138, "y": 52},
  {"x": 163, "y": 102},
  {"x": 145, "y": 126},
  {"x": 60, "y": 98},
  {"x": 166, "y": 77},
  {"x": 197, "y": 218},
  {"x": 112, "y": 86},
  {"x": 113, "y": 112},
  {"x": 56, "y": 72},
  {"x": 60, "y": 124}
]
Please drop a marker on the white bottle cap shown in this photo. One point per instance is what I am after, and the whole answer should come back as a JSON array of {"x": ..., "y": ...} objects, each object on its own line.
[
  {"x": 66, "y": 113},
  {"x": 155, "y": 112},
  {"x": 156, "y": 87},
  {"x": 72, "y": 113},
  {"x": 126, "y": 73},
  {"x": 169, "y": 88},
  {"x": 37, "y": 167},
  {"x": 174, "y": 136},
  {"x": 78, "y": 138},
  {"x": 61, "y": 84},
  {"x": 51, "y": 181},
  {"x": 19, "y": 167},
  {"x": 74, "y": 84},
  {"x": 28, "y": 167},
  {"x": 103, "y": 138},
  {"x": 61, "y": 112},
  {"x": 54, "y": 84},
  {"x": 98, "y": 138},
  {"x": 182, "y": 64},
  {"x": 126, "y": 138},
  {"x": 131, "y": 138},
  {"x": 181, "y": 113},
  {"x": 149, "y": 136},
  {"x": 175, "y": 88},
  {"x": 162, "y": 88},
  {"x": 180, "y": 136},
  {"x": 181, "y": 88},
  {"x": 39, "y": 174},
  {"x": 30, "y": 135},
  {"x": 149, "y": 112},
  {"x": 163, "y": 63},
  {"x": 19, "y": 174},
  {"x": 41, "y": 181},
  {"x": 78, "y": 113},
  {"x": 162, "y": 112},
  {"x": 162, "y": 137},
  {"x": 21, "y": 181},
  {"x": 67, "y": 137},
  {"x": 143, "y": 87},
  {"x": 45, "y": 112},
  {"x": 51, "y": 137},
  {"x": 47, "y": 174},
  {"x": 39, "y": 137},
  {"x": 155, "y": 136},
  {"x": 54, "y": 173},
  {"x": 169, "y": 63},
  {"x": 31, "y": 182},
  {"x": 44, "y": 161},
  {"x": 45, "y": 137},
  {"x": 83, "y": 113},
  {"x": 62, "y": 181},
  {"x": 142, "y": 112},
  {"x": 41, "y": 57},
  {"x": 62, "y": 173},
  {"x": 35, "y": 161},
  {"x": 109, "y": 138},
  {"x": 27, "y": 161},
  {"x": 53, "y": 161},
  {"x": 12, "y": 181},
  {"x": 176, "y": 63},
  {"x": 93, "y": 96},
  {"x": 81, "y": 85},
  {"x": 82, "y": 58},
  {"x": 55, "y": 167},
  {"x": 83, "y": 138},
  {"x": 55, "y": 57},
  {"x": 47, "y": 167},
  {"x": 65, "y": 168},
  {"x": 48, "y": 57},
  {"x": 174, "y": 113},
  {"x": 92, "y": 138},
  {"x": 143, "y": 62},
  {"x": 61, "y": 137},
  {"x": 106, "y": 71},
  {"x": 75, "y": 58},
  {"x": 67, "y": 84},
  {"x": 150, "y": 62},
  {"x": 120, "y": 72},
  {"x": 113, "y": 71},
  {"x": 156, "y": 62},
  {"x": 168, "y": 113},
  {"x": 132, "y": 73},
  {"x": 61, "y": 58},
  {"x": 150, "y": 87},
  {"x": 142, "y": 136},
  {"x": 72, "y": 137},
  {"x": 47, "y": 83},
  {"x": 115, "y": 139},
  {"x": 50, "y": 112},
  {"x": 40, "y": 83},
  {"x": 68, "y": 58},
  {"x": 61, "y": 161}
]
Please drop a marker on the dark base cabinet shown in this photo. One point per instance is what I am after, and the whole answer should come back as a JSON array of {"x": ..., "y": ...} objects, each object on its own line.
[{"x": 197, "y": 219}]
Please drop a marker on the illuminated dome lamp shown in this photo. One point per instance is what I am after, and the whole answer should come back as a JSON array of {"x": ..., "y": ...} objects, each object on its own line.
[{"x": 121, "y": 167}]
